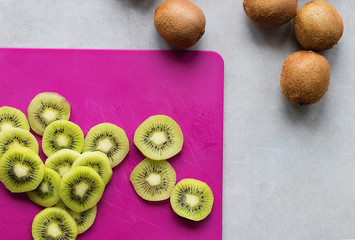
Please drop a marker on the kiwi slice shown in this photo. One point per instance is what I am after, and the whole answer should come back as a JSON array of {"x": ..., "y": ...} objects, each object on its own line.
[
  {"x": 153, "y": 180},
  {"x": 159, "y": 137},
  {"x": 12, "y": 118},
  {"x": 62, "y": 134},
  {"x": 109, "y": 139},
  {"x": 21, "y": 169},
  {"x": 97, "y": 161},
  {"x": 47, "y": 192},
  {"x": 62, "y": 161},
  {"x": 192, "y": 199},
  {"x": 81, "y": 188},
  {"x": 46, "y": 108},
  {"x": 15, "y": 137},
  {"x": 54, "y": 224},
  {"x": 84, "y": 220}
]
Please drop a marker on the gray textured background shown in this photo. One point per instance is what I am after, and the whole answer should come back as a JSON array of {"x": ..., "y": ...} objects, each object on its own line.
[{"x": 289, "y": 172}]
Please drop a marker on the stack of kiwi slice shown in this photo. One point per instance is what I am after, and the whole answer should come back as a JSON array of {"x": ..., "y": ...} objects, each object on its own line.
[
  {"x": 160, "y": 138},
  {"x": 70, "y": 183}
]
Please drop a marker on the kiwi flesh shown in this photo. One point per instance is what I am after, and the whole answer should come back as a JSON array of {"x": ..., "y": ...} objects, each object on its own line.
[
  {"x": 180, "y": 22},
  {"x": 81, "y": 188},
  {"x": 54, "y": 224},
  {"x": 47, "y": 192},
  {"x": 305, "y": 77},
  {"x": 97, "y": 161},
  {"x": 318, "y": 26},
  {"x": 153, "y": 180},
  {"x": 21, "y": 169},
  {"x": 270, "y": 13},
  {"x": 15, "y": 137},
  {"x": 159, "y": 137},
  {"x": 109, "y": 139},
  {"x": 46, "y": 108},
  {"x": 84, "y": 220},
  {"x": 62, "y": 161},
  {"x": 192, "y": 199},
  {"x": 12, "y": 118},
  {"x": 62, "y": 134}
]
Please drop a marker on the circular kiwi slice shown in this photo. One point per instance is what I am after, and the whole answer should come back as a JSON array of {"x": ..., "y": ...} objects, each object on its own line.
[
  {"x": 81, "y": 188},
  {"x": 153, "y": 180},
  {"x": 192, "y": 199},
  {"x": 15, "y": 137},
  {"x": 159, "y": 137},
  {"x": 84, "y": 220},
  {"x": 62, "y": 161},
  {"x": 47, "y": 192},
  {"x": 109, "y": 139},
  {"x": 62, "y": 134},
  {"x": 12, "y": 118},
  {"x": 46, "y": 108},
  {"x": 21, "y": 169},
  {"x": 97, "y": 161},
  {"x": 54, "y": 224}
]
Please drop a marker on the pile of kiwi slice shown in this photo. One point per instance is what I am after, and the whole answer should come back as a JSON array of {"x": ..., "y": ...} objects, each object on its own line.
[
  {"x": 71, "y": 182},
  {"x": 160, "y": 138}
]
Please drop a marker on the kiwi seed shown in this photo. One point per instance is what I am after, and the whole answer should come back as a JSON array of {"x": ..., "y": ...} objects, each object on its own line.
[
  {"x": 192, "y": 199},
  {"x": 153, "y": 180},
  {"x": 305, "y": 77},
  {"x": 62, "y": 134},
  {"x": 62, "y": 161},
  {"x": 54, "y": 224},
  {"x": 318, "y": 26},
  {"x": 180, "y": 22},
  {"x": 12, "y": 118},
  {"x": 159, "y": 137},
  {"x": 46, "y": 108}
]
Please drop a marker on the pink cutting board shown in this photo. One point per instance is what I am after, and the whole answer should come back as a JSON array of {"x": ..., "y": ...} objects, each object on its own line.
[{"x": 124, "y": 88}]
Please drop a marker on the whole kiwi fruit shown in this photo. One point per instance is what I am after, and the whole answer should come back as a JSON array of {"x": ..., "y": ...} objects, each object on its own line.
[
  {"x": 270, "y": 13},
  {"x": 318, "y": 26},
  {"x": 180, "y": 22},
  {"x": 305, "y": 77}
]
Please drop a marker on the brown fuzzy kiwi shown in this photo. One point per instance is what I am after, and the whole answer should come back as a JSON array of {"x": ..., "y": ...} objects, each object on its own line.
[
  {"x": 180, "y": 22},
  {"x": 318, "y": 26},
  {"x": 270, "y": 13},
  {"x": 305, "y": 77}
]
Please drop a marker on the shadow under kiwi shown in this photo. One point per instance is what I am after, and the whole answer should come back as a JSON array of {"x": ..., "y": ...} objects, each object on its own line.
[
  {"x": 195, "y": 225},
  {"x": 141, "y": 5}
]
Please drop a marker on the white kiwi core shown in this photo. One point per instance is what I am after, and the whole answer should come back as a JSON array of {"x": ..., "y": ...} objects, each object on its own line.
[
  {"x": 21, "y": 170},
  {"x": 50, "y": 115},
  {"x": 154, "y": 179},
  {"x": 104, "y": 145},
  {"x": 80, "y": 189},
  {"x": 62, "y": 140},
  {"x": 192, "y": 200},
  {"x": 158, "y": 138},
  {"x": 54, "y": 230},
  {"x": 44, "y": 187},
  {"x": 5, "y": 126},
  {"x": 63, "y": 170}
]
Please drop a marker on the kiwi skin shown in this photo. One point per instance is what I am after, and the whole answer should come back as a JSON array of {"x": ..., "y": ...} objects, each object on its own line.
[
  {"x": 318, "y": 26},
  {"x": 270, "y": 13},
  {"x": 180, "y": 22},
  {"x": 305, "y": 77}
]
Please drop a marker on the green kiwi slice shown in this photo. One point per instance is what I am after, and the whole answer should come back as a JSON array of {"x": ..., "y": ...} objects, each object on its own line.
[
  {"x": 21, "y": 169},
  {"x": 97, "y": 161},
  {"x": 153, "y": 180},
  {"x": 46, "y": 108},
  {"x": 109, "y": 139},
  {"x": 159, "y": 137},
  {"x": 15, "y": 137},
  {"x": 47, "y": 192},
  {"x": 62, "y": 161},
  {"x": 81, "y": 188},
  {"x": 84, "y": 220},
  {"x": 192, "y": 199},
  {"x": 54, "y": 224},
  {"x": 62, "y": 134},
  {"x": 12, "y": 118}
]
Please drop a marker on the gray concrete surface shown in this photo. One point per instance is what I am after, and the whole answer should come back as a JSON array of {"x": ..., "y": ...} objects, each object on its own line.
[{"x": 289, "y": 171}]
